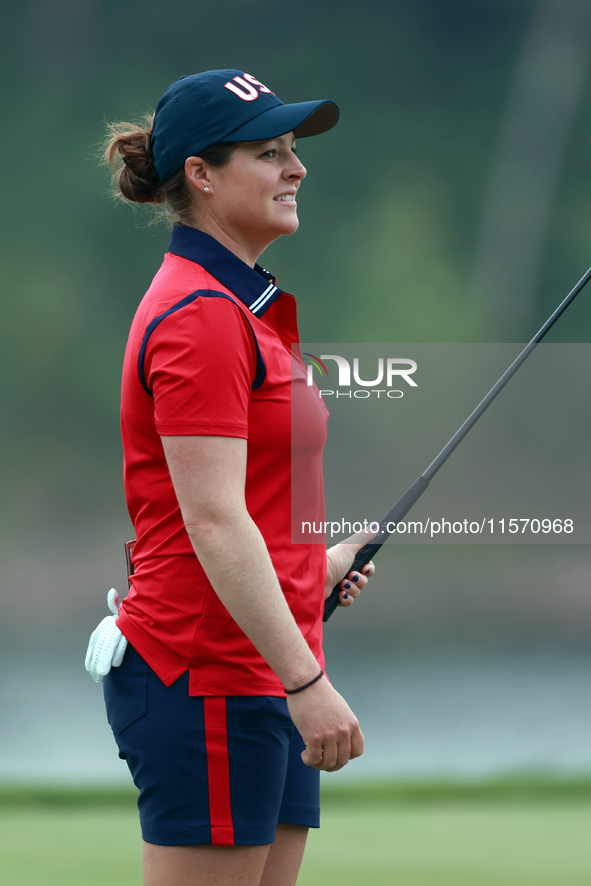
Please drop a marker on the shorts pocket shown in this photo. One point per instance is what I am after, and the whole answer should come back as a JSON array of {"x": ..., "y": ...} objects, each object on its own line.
[{"x": 126, "y": 691}]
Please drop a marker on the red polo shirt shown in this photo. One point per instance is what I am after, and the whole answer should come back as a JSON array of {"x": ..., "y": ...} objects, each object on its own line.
[{"x": 209, "y": 352}]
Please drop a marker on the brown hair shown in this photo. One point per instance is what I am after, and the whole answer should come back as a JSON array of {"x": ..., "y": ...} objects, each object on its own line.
[{"x": 127, "y": 150}]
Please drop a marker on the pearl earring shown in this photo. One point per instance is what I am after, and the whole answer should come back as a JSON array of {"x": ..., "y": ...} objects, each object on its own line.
[{"x": 206, "y": 189}]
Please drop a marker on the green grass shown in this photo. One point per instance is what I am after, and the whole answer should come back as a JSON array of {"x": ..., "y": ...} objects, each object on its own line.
[
  {"x": 451, "y": 845},
  {"x": 69, "y": 847},
  {"x": 514, "y": 832}
]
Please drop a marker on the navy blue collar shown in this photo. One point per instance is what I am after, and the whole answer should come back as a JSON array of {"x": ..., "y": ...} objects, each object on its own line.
[{"x": 255, "y": 287}]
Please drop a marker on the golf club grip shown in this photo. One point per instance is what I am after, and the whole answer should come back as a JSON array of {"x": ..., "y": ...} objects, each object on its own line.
[
  {"x": 365, "y": 554},
  {"x": 362, "y": 558}
]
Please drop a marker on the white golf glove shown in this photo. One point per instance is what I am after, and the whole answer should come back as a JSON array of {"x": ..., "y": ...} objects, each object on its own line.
[{"x": 107, "y": 644}]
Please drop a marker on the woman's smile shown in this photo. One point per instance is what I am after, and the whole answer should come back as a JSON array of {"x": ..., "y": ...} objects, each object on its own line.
[{"x": 290, "y": 199}]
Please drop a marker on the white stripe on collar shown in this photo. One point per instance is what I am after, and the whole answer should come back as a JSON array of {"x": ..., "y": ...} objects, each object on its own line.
[{"x": 265, "y": 296}]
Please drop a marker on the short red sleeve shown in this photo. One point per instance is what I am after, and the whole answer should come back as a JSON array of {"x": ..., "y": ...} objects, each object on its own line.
[{"x": 200, "y": 363}]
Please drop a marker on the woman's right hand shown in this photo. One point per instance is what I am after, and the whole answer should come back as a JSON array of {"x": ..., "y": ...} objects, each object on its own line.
[{"x": 328, "y": 726}]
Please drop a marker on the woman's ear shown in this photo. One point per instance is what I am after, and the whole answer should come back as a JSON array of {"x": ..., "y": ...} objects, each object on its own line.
[{"x": 197, "y": 172}]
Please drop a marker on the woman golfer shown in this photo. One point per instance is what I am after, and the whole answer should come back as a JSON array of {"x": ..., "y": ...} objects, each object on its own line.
[{"x": 220, "y": 705}]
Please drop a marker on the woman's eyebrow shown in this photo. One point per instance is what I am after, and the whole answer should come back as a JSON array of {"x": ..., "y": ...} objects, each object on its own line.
[{"x": 266, "y": 141}]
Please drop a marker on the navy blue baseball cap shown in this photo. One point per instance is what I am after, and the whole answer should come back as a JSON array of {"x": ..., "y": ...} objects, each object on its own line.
[{"x": 226, "y": 106}]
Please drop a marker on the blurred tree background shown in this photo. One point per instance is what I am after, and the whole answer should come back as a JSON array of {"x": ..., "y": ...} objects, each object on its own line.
[{"x": 455, "y": 118}]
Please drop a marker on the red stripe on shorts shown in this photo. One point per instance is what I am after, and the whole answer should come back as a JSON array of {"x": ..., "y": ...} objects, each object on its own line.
[{"x": 218, "y": 771}]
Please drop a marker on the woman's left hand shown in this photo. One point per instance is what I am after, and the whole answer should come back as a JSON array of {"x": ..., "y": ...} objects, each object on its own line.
[{"x": 339, "y": 560}]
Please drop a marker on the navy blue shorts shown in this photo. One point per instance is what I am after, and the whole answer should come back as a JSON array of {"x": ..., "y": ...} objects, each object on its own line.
[{"x": 210, "y": 770}]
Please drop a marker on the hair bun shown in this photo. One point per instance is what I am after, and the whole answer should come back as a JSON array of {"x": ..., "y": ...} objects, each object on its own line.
[{"x": 136, "y": 177}]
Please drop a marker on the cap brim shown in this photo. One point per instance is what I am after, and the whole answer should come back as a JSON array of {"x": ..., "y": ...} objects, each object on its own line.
[{"x": 303, "y": 119}]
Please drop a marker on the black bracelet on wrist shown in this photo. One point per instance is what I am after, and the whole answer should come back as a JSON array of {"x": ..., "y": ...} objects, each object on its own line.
[{"x": 306, "y": 685}]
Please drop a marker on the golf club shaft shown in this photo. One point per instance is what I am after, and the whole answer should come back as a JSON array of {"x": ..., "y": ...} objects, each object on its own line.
[{"x": 414, "y": 492}]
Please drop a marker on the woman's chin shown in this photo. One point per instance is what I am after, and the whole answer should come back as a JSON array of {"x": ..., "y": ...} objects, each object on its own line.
[
  {"x": 288, "y": 225},
  {"x": 276, "y": 228}
]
